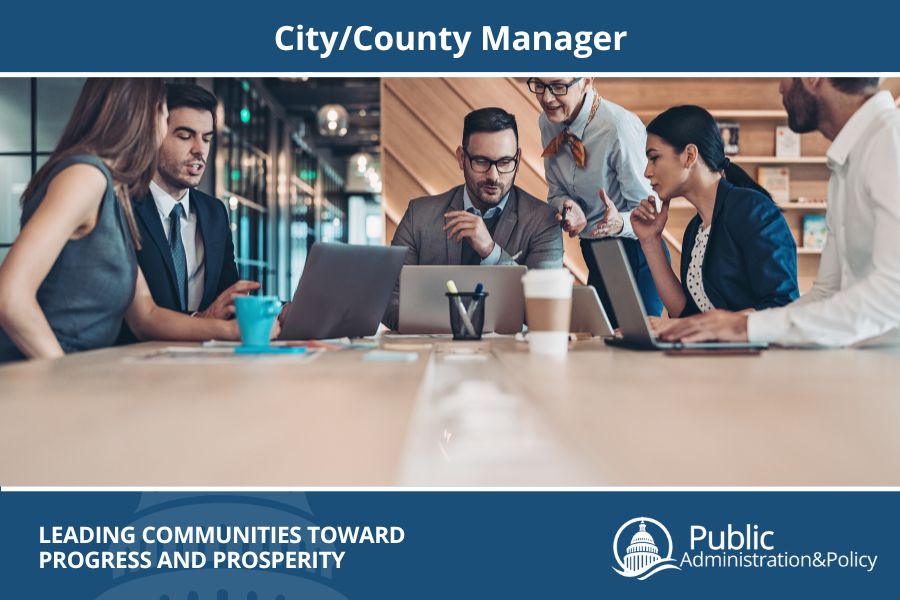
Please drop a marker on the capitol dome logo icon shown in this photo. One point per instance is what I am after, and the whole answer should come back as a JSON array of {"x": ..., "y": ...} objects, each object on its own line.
[{"x": 642, "y": 556}]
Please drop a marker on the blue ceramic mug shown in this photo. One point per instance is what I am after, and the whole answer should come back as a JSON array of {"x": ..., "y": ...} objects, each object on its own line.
[{"x": 255, "y": 316}]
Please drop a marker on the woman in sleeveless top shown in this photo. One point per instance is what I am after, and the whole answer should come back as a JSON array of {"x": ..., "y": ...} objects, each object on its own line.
[
  {"x": 738, "y": 252},
  {"x": 71, "y": 276}
]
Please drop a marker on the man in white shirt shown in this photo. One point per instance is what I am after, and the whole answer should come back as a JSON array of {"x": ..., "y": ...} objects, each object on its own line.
[
  {"x": 856, "y": 295},
  {"x": 187, "y": 253}
]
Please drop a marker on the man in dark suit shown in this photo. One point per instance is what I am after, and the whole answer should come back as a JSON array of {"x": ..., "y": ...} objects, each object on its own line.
[
  {"x": 187, "y": 253},
  {"x": 486, "y": 221}
]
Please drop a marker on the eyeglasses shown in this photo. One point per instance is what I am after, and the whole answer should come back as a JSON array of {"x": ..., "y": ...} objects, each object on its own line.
[
  {"x": 556, "y": 88},
  {"x": 482, "y": 164}
]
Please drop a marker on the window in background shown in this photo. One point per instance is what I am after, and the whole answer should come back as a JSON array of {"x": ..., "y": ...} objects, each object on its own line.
[
  {"x": 33, "y": 114},
  {"x": 15, "y": 171},
  {"x": 302, "y": 212},
  {"x": 245, "y": 175},
  {"x": 365, "y": 219},
  {"x": 55, "y": 98},
  {"x": 332, "y": 217},
  {"x": 15, "y": 115}
]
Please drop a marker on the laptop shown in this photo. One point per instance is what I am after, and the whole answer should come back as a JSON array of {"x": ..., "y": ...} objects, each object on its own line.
[
  {"x": 423, "y": 304},
  {"x": 629, "y": 308},
  {"x": 343, "y": 292},
  {"x": 588, "y": 315}
]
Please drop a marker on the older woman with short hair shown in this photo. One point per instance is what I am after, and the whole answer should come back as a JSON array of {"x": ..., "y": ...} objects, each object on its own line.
[{"x": 594, "y": 164}]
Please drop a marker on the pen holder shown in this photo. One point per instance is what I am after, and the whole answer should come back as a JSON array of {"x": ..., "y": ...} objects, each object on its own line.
[{"x": 471, "y": 305}]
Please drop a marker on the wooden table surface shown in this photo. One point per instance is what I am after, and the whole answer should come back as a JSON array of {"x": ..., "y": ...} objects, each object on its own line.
[{"x": 606, "y": 417}]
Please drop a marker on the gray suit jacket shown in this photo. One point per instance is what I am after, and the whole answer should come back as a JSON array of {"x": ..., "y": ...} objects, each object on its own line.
[{"x": 527, "y": 229}]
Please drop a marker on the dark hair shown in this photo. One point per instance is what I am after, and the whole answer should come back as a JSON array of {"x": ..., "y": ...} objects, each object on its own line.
[
  {"x": 191, "y": 95},
  {"x": 854, "y": 85},
  {"x": 488, "y": 120},
  {"x": 683, "y": 125},
  {"x": 116, "y": 119}
]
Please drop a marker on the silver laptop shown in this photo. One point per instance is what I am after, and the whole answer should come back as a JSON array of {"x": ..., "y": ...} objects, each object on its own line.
[
  {"x": 629, "y": 308},
  {"x": 343, "y": 292},
  {"x": 423, "y": 304},
  {"x": 588, "y": 315}
]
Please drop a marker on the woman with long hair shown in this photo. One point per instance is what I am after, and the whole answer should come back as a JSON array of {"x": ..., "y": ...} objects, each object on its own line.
[
  {"x": 71, "y": 276},
  {"x": 738, "y": 252}
]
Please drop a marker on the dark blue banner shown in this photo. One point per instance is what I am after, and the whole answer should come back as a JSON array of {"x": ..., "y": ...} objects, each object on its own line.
[
  {"x": 466, "y": 36},
  {"x": 287, "y": 545}
]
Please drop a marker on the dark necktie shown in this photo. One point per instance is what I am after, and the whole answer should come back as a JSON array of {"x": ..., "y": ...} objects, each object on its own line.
[
  {"x": 178, "y": 256},
  {"x": 469, "y": 256}
]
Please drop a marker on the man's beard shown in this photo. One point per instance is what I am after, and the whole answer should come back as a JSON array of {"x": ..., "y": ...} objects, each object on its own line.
[
  {"x": 489, "y": 200},
  {"x": 802, "y": 108}
]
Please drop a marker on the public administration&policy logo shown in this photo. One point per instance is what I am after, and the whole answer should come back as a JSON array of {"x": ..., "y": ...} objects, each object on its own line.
[{"x": 642, "y": 556}]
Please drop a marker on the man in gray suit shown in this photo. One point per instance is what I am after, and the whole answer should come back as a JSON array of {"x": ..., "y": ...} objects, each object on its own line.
[{"x": 487, "y": 221}]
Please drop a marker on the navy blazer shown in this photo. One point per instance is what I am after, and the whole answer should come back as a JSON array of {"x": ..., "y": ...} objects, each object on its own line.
[
  {"x": 155, "y": 258},
  {"x": 751, "y": 256}
]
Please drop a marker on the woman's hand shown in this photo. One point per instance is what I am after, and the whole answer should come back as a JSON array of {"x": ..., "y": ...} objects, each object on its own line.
[
  {"x": 572, "y": 218},
  {"x": 647, "y": 222},
  {"x": 612, "y": 222},
  {"x": 151, "y": 322},
  {"x": 657, "y": 324}
]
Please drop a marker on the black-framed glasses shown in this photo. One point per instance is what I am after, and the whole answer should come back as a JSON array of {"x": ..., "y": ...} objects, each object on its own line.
[
  {"x": 483, "y": 164},
  {"x": 556, "y": 88}
]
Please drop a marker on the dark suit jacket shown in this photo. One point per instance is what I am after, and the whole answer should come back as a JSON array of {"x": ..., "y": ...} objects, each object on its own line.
[
  {"x": 751, "y": 256},
  {"x": 527, "y": 228},
  {"x": 155, "y": 258}
]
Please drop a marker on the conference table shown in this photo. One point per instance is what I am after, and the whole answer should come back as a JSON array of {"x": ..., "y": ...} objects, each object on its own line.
[{"x": 428, "y": 411}]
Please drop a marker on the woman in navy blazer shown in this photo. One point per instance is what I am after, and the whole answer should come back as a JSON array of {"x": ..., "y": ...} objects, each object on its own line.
[{"x": 738, "y": 252}]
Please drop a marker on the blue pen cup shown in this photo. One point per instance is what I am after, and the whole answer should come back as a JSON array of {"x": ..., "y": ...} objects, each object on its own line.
[
  {"x": 255, "y": 316},
  {"x": 473, "y": 304}
]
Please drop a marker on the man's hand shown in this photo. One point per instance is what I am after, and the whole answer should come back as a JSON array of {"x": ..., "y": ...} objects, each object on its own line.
[
  {"x": 612, "y": 222},
  {"x": 223, "y": 306},
  {"x": 715, "y": 325},
  {"x": 575, "y": 221},
  {"x": 461, "y": 225}
]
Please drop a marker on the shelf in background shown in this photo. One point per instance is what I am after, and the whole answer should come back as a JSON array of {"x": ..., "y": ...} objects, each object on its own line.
[
  {"x": 682, "y": 204},
  {"x": 774, "y": 160},
  {"x": 802, "y": 206},
  {"x": 746, "y": 114}
]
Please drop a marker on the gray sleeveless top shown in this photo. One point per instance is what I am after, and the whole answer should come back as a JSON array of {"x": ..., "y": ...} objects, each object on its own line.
[{"x": 91, "y": 284}]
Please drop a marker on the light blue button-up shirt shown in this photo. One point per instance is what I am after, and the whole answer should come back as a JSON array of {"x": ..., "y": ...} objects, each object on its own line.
[
  {"x": 615, "y": 143},
  {"x": 494, "y": 257}
]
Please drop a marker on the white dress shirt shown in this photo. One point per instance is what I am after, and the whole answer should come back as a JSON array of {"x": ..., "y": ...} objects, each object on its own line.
[
  {"x": 615, "y": 145},
  {"x": 190, "y": 237},
  {"x": 494, "y": 257},
  {"x": 856, "y": 295}
]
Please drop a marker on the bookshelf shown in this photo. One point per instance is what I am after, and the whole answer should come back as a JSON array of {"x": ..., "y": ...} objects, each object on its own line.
[
  {"x": 681, "y": 203},
  {"x": 776, "y": 160}
]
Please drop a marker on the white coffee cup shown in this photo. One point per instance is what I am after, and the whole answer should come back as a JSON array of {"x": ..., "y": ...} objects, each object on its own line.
[{"x": 548, "y": 310}]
